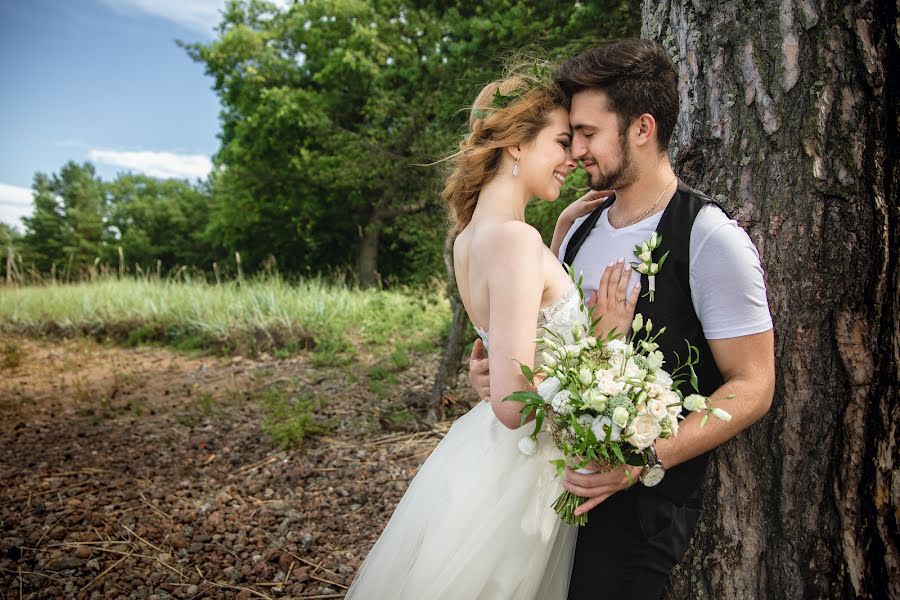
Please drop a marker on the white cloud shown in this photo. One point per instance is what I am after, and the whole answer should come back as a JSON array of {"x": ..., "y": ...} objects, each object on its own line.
[
  {"x": 199, "y": 15},
  {"x": 15, "y": 203},
  {"x": 156, "y": 164}
]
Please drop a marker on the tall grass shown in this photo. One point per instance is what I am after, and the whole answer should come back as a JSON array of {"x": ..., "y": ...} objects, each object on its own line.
[{"x": 254, "y": 315}]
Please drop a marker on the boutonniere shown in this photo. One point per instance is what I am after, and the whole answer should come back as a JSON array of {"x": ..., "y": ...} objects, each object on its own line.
[{"x": 646, "y": 266}]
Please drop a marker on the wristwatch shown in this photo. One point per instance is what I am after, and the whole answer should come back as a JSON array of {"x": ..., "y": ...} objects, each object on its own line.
[{"x": 654, "y": 471}]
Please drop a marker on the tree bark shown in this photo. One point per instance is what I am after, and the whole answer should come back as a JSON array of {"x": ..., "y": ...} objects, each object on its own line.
[
  {"x": 789, "y": 119},
  {"x": 367, "y": 261},
  {"x": 456, "y": 343}
]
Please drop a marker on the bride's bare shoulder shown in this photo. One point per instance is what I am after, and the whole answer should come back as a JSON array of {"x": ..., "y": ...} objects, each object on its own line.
[{"x": 506, "y": 236}]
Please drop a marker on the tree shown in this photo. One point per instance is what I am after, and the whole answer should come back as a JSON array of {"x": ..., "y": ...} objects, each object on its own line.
[
  {"x": 10, "y": 239},
  {"x": 161, "y": 220},
  {"x": 329, "y": 108},
  {"x": 45, "y": 230},
  {"x": 789, "y": 117}
]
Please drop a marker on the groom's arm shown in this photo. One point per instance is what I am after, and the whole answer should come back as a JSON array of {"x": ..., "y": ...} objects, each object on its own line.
[{"x": 747, "y": 365}]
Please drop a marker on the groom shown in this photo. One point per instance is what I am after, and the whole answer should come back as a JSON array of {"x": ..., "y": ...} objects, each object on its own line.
[{"x": 710, "y": 292}]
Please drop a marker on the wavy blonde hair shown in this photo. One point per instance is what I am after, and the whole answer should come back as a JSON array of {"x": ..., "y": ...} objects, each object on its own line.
[{"x": 513, "y": 117}]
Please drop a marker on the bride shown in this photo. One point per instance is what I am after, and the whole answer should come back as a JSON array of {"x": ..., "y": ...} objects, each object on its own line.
[{"x": 476, "y": 522}]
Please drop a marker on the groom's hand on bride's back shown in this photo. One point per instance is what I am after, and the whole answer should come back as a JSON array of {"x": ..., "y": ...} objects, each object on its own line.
[{"x": 479, "y": 373}]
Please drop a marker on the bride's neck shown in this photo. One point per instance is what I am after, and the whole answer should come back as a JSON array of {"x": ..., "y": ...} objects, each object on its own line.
[{"x": 503, "y": 196}]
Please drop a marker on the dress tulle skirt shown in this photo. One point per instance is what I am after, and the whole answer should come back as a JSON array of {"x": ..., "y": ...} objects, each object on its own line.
[{"x": 475, "y": 523}]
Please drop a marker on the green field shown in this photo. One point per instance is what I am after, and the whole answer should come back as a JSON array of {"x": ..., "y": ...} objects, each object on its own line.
[{"x": 263, "y": 315}]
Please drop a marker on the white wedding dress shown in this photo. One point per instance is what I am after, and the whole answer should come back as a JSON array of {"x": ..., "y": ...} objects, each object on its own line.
[{"x": 477, "y": 520}]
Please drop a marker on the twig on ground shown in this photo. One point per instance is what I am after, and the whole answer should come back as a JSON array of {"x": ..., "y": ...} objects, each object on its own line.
[{"x": 105, "y": 571}]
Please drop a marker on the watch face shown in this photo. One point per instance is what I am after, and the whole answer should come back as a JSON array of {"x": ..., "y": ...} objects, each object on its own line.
[{"x": 653, "y": 475}]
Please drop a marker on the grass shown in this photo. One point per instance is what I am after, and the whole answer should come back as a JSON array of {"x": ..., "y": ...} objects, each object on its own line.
[
  {"x": 289, "y": 419},
  {"x": 337, "y": 323}
]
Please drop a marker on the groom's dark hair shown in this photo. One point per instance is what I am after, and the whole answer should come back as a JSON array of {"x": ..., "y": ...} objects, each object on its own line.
[{"x": 637, "y": 77}]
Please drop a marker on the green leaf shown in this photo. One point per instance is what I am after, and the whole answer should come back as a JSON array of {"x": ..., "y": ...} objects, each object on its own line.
[
  {"x": 618, "y": 452},
  {"x": 694, "y": 378},
  {"x": 527, "y": 372}
]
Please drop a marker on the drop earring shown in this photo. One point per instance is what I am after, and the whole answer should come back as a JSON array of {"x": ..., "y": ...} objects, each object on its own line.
[{"x": 516, "y": 168}]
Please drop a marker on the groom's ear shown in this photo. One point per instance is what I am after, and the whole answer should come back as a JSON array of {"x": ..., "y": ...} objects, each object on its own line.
[{"x": 644, "y": 129}]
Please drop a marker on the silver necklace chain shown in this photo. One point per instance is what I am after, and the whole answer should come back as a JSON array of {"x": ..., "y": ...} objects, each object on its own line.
[{"x": 649, "y": 210}]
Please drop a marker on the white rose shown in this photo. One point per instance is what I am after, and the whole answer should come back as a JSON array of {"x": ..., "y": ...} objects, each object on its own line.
[
  {"x": 645, "y": 256},
  {"x": 722, "y": 415},
  {"x": 646, "y": 430},
  {"x": 662, "y": 377},
  {"x": 638, "y": 322},
  {"x": 585, "y": 376},
  {"x": 588, "y": 342},
  {"x": 620, "y": 416},
  {"x": 594, "y": 400},
  {"x": 671, "y": 401},
  {"x": 695, "y": 402},
  {"x": 657, "y": 408},
  {"x": 654, "y": 240},
  {"x": 602, "y": 425},
  {"x": 528, "y": 445},
  {"x": 548, "y": 388},
  {"x": 609, "y": 385},
  {"x": 561, "y": 402}
]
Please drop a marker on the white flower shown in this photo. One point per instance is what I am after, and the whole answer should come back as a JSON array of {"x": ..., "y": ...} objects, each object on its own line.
[
  {"x": 527, "y": 445},
  {"x": 602, "y": 425},
  {"x": 572, "y": 350},
  {"x": 655, "y": 360},
  {"x": 671, "y": 401},
  {"x": 657, "y": 408},
  {"x": 617, "y": 346},
  {"x": 585, "y": 376},
  {"x": 562, "y": 402},
  {"x": 695, "y": 402},
  {"x": 662, "y": 377},
  {"x": 608, "y": 385},
  {"x": 632, "y": 371},
  {"x": 548, "y": 388},
  {"x": 646, "y": 429},
  {"x": 654, "y": 241},
  {"x": 588, "y": 342},
  {"x": 548, "y": 360},
  {"x": 654, "y": 268},
  {"x": 722, "y": 415},
  {"x": 594, "y": 400},
  {"x": 645, "y": 247},
  {"x": 638, "y": 322},
  {"x": 645, "y": 256},
  {"x": 620, "y": 416}
]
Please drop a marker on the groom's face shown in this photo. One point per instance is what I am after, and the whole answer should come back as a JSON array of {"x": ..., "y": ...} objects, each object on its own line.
[{"x": 599, "y": 143}]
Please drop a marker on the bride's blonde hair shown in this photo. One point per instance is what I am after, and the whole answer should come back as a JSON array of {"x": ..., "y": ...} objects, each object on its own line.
[{"x": 506, "y": 112}]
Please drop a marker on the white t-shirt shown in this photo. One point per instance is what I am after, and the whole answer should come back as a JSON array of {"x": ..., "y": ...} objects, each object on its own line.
[{"x": 727, "y": 285}]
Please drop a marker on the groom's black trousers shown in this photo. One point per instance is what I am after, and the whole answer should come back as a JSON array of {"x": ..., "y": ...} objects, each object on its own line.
[{"x": 631, "y": 543}]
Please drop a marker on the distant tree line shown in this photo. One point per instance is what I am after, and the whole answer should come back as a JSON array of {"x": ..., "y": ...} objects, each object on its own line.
[{"x": 328, "y": 112}]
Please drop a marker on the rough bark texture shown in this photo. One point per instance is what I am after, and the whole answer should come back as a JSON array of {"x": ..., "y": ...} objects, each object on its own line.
[
  {"x": 453, "y": 352},
  {"x": 789, "y": 118}
]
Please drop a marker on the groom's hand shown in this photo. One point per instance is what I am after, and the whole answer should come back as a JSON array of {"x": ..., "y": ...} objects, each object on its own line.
[
  {"x": 597, "y": 487},
  {"x": 479, "y": 373}
]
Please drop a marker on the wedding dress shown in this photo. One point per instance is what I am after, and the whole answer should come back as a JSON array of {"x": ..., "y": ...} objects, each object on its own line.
[{"x": 476, "y": 522}]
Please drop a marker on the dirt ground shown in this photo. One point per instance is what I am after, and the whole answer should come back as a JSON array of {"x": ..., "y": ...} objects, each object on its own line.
[{"x": 144, "y": 473}]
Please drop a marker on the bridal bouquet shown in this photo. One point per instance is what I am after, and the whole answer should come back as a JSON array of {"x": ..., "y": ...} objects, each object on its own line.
[{"x": 606, "y": 401}]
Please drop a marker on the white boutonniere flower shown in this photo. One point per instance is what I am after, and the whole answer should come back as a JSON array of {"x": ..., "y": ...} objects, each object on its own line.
[{"x": 646, "y": 266}]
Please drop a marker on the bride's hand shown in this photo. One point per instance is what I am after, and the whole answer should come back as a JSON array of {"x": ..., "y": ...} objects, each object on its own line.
[
  {"x": 613, "y": 301},
  {"x": 586, "y": 204}
]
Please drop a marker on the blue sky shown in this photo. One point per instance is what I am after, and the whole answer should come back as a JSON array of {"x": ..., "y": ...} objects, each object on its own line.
[{"x": 104, "y": 81}]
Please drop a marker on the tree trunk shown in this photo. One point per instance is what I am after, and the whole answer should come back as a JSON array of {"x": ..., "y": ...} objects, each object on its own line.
[
  {"x": 789, "y": 118},
  {"x": 367, "y": 260},
  {"x": 456, "y": 343}
]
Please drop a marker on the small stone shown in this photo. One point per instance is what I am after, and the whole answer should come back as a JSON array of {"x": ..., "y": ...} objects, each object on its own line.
[
  {"x": 83, "y": 552},
  {"x": 93, "y": 564},
  {"x": 64, "y": 563},
  {"x": 178, "y": 541},
  {"x": 192, "y": 590}
]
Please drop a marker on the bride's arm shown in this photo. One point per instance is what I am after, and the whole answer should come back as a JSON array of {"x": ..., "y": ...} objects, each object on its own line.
[
  {"x": 573, "y": 212},
  {"x": 515, "y": 287}
]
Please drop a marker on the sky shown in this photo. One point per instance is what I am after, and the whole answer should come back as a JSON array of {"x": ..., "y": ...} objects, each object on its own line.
[{"x": 102, "y": 81}]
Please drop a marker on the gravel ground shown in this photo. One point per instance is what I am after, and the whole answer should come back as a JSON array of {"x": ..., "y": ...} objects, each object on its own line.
[{"x": 141, "y": 473}]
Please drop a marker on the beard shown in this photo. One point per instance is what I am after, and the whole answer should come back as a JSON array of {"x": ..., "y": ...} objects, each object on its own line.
[{"x": 619, "y": 178}]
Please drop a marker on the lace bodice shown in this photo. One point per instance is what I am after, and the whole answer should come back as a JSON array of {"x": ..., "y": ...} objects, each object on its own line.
[{"x": 559, "y": 316}]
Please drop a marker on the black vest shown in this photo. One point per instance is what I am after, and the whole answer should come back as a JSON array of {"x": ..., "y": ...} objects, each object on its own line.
[{"x": 674, "y": 308}]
